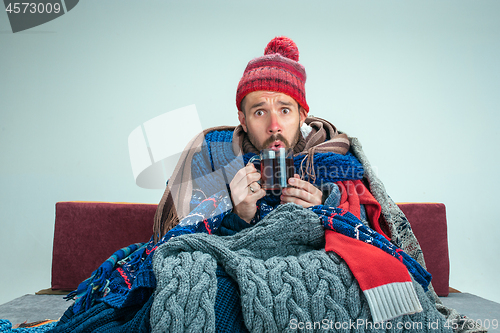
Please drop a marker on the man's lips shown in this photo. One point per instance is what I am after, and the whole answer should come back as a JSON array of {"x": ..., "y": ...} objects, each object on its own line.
[
  {"x": 275, "y": 142},
  {"x": 276, "y": 145}
]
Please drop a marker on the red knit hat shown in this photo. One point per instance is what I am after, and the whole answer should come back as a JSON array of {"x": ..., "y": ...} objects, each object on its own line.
[{"x": 277, "y": 70}]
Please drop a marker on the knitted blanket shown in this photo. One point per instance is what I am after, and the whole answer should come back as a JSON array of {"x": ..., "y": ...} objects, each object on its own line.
[
  {"x": 286, "y": 281},
  {"x": 130, "y": 282},
  {"x": 218, "y": 155},
  {"x": 45, "y": 326}
]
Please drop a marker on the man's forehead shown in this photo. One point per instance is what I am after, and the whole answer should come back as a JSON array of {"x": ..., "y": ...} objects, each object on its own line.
[{"x": 261, "y": 98}]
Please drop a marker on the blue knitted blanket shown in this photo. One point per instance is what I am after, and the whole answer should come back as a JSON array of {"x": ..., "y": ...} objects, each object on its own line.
[{"x": 6, "y": 327}]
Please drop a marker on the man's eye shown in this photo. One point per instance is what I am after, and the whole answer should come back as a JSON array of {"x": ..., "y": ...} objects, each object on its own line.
[
  {"x": 259, "y": 113},
  {"x": 285, "y": 110}
]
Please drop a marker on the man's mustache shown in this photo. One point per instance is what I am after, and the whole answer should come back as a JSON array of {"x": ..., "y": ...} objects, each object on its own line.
[{"x": 276, "y": 137}]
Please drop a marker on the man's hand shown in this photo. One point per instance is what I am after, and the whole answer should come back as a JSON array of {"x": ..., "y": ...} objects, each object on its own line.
[
  {"x": 245, "y": 191},
  {"x": 302, "y": 193}
]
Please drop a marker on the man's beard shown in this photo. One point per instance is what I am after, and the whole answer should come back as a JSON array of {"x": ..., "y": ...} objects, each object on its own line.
[{"x": 275, "y": 137}]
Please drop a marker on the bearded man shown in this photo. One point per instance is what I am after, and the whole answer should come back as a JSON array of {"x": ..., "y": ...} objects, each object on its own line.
[
  {"x": 331, "y": 252},
  {"x": 273, "y": 113}
]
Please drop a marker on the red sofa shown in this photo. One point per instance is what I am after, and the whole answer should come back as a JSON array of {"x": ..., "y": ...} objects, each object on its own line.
[{"x": 87, "y": 233}]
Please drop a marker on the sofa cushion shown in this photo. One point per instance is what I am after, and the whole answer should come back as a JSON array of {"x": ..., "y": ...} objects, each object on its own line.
[{"x": 88, "y": 233}]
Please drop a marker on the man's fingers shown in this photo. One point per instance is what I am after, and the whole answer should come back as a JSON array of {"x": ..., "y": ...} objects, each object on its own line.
[
  {"x": 300, "y": 202},
  {"x": 297, "y": 193},
  {"x": 252, "y": 178},
  {"x": 245, "y": 191},
  {"x": 299, "y": 183},
  {"x": 258, "y": 194},
  {"x": 302, "y": 193},
  {"x": 245, "y": 176},
  {"x": 249, "y": 168},
  {"x": 244, "y": 186},
  {"x": 254, "y": 187}
]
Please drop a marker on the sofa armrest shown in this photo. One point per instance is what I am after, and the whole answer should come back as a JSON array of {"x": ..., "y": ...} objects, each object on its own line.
[
  {"x": 428, "y": 222},
  {"x": 88, "y": 233}
]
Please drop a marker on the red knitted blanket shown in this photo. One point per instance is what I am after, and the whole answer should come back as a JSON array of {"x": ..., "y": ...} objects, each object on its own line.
[{"x": 385, "y": 281}]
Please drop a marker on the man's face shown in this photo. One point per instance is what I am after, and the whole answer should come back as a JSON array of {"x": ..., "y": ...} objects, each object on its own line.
[{"x": 271, "y": 119}]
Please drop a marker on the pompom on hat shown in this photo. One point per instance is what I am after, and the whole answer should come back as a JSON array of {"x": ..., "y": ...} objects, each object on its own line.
[{"x": 277, "y": 70}]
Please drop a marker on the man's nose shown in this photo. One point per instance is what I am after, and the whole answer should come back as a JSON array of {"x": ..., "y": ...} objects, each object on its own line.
[{"x": 274, "y": 123}]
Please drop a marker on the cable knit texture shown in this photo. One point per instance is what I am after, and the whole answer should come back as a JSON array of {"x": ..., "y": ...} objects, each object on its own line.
[{"x": 284, "y": 276}]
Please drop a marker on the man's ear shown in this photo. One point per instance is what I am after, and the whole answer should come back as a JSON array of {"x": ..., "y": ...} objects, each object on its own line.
[
  {"x": 302, "y": 115},
  {"x": 242, "y": 119}
]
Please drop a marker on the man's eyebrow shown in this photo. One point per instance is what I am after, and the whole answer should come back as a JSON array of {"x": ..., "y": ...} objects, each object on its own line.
[
  {"x": 285, "y": 103},
  {"x": 257, "y": 105}
]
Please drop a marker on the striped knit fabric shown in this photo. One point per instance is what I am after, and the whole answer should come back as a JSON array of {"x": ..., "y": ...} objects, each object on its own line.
[
  {"x": 278, "y": 70},
  {"x": 45, "y": 326}
]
